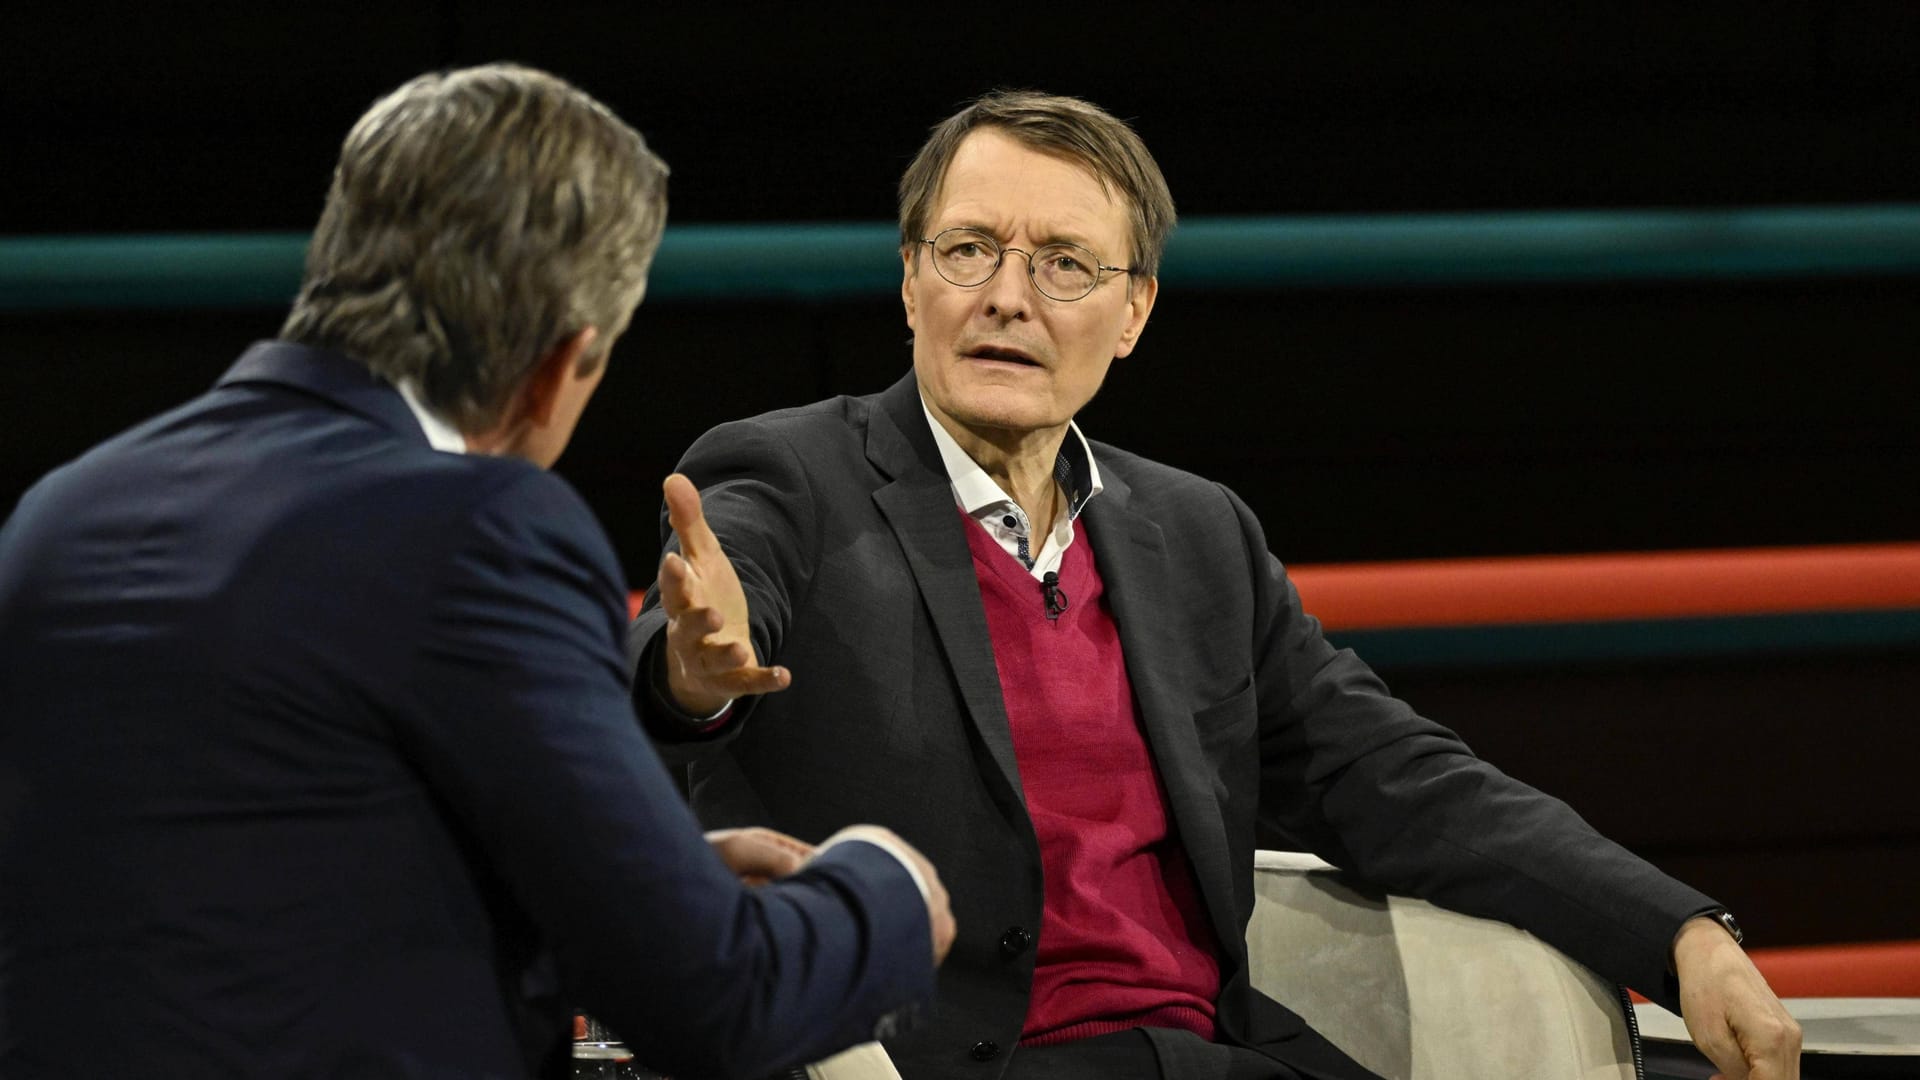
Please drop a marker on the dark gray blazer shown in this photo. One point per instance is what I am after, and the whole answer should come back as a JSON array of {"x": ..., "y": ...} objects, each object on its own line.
[{"x": 841, "y": 521}]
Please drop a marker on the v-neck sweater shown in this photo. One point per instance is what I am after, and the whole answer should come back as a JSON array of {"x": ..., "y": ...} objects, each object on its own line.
[{"x": 1124, "y": 940}]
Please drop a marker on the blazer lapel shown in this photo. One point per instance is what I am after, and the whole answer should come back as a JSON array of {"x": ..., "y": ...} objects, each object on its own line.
[
  {"x": 1130, "y": 551},
  {"x": 918, "y": 505}
]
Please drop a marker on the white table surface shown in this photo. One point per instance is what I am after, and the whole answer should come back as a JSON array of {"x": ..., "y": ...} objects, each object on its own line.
[{"x": 1888, "y": 1027}]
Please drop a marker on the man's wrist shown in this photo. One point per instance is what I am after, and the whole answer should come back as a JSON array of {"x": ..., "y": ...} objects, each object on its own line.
[
  {"x": 1714, "y": 923},
  {"x": 890, "y": 848}
]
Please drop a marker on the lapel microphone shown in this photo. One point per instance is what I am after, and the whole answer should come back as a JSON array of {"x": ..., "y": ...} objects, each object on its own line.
[{"x": 1055, "y": 596}]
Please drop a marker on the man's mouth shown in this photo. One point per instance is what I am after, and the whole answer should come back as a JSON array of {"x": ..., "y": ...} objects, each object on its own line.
[{"x": 1002, "y": 353}]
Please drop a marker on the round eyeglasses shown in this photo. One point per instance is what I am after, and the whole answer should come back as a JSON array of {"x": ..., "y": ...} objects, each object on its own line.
[{"x": 1064, "y": 272}]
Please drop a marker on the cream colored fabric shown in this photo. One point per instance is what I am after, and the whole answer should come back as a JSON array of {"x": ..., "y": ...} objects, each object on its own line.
[
  {"x": 864, "y": 1062},
  {"x": 1415, "y": 992},
  {"x": 1412, "y": 991}
]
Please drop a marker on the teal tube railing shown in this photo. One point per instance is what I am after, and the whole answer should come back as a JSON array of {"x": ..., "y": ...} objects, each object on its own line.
[{"x": 852, "y": 260}]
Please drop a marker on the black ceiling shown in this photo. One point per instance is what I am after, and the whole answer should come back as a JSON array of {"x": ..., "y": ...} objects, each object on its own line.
[{"x": 170, "y": 117}]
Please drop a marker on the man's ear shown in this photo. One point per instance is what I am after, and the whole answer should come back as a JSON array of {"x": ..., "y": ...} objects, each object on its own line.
[
  {"x": 1139, "y": 306},
  {"x": 541, "y": 392},
  {"x": 907, "y": 272},
  {"x": 530, "y": 409}
]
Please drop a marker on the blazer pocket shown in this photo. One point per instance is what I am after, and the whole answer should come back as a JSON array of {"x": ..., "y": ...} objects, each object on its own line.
[
  {"x": 1227, "y": 730},
  {"x": 1229, "y": 719}
]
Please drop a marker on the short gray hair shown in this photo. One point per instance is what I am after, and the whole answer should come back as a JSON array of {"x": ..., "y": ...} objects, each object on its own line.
[
  {"x": 476, "y": 218},
  {"x": 1068, "y": 127}
]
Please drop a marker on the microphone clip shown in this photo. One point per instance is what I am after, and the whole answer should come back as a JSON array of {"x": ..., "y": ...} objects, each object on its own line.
[{"x": 1055, "y": 596}]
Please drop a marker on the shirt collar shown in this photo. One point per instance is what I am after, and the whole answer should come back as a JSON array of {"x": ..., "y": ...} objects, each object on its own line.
[
  {"x": 1075, "y": 470},
  {"x": 441, "y": 435}
]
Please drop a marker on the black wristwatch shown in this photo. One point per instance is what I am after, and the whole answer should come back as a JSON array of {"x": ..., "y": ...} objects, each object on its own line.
[{"x": 1725, "y": 918}]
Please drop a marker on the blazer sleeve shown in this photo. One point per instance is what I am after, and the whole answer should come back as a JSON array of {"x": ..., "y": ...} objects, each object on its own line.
[
  {"x": 1372, "y": 786},
  {"x": 520, "y": 719}
]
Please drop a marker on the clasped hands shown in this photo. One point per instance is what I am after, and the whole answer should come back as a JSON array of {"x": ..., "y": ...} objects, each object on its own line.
[{"x": 759, "y": 855}]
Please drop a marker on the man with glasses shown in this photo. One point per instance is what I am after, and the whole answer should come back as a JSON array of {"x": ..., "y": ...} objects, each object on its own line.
[{"x": 1076, "y": 677}]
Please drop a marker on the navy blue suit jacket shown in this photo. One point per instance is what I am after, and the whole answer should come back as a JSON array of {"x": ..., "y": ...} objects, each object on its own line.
[{"x": 317, "y": 757}]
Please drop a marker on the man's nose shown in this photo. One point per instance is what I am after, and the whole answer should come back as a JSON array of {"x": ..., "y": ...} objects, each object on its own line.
[{"x": 1009, "y": 294}]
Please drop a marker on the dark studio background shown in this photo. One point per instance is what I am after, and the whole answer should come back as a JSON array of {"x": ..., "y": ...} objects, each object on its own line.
[{"x": 1361, "y": 423}]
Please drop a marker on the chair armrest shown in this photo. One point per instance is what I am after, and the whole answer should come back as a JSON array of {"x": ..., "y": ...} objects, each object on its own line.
[{"x": 1416, "y": 992}]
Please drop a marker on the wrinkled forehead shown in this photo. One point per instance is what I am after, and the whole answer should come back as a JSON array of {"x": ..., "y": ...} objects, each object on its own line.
[{"x": 999, "y": 183}]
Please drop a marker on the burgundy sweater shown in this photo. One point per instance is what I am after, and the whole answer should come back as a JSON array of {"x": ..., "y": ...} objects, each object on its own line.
[{"x": 1124, "y": 939}]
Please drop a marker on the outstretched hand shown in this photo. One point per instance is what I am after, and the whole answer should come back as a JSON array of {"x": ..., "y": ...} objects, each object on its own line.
[
  {"x": 1732, "y": 1014},
  {"x": 709, "y": 657}
]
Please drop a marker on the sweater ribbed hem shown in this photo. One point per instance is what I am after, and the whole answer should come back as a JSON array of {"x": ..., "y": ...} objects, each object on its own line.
[{"x": 1184, "y": 1017}]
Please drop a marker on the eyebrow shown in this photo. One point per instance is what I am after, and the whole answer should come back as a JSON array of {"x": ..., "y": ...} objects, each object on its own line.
[
  {"x": 1048, "y": 240},
  {"x": 1067, "y": 238}
]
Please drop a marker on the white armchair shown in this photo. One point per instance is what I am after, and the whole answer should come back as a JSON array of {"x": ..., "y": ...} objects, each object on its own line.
[
  {"x": 1411, "y": 991},
  {"x": 1416, "y": 992}
]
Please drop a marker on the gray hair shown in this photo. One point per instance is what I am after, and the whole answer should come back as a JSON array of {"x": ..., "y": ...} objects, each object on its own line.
[
  {"x": 476, "y": 218},
  {"x": 1067, "y": 127}
]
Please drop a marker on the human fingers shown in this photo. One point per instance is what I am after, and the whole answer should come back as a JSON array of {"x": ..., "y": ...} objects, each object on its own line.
[
  {"x": 1769, "y": 1039},
  {"x": 939, "y": 906},
  {"x": 1712, "y": 1036},
  {"x": 794, "y": 852},
  {"x": 689, "y": 621},
  {"x": 749, "y": 681},
  {"x": 690, "y": 628},
  {"x": 799, "y": 847},
  {"x": 1702, "y": 958},
  {"x": 1736, "y": 1021},
  {"x": 689, "y": 624},
  {"x": 1766, "y": 1037},
  {"x": 677, "y": 585},
  {"x": 945, "y": 926},
  {"x": 758, "y": 855},
  {"x": 940, "y": 916},
  {"x": 703, "y": 674},
  {"x": 688, "y": 520},
  {"x": 711, "y": 654},
  {"x": 698, "y": 667},
  {"x": 695, "y": 676}
]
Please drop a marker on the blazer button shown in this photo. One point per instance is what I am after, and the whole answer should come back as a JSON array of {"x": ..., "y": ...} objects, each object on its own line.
[
  {"x": 1016, "y": 940},
  {"x": 984, "y": 1050}
]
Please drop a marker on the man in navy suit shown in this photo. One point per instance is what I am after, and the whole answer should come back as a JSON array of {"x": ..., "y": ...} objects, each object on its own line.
[{"x": 317, "y": 755}]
